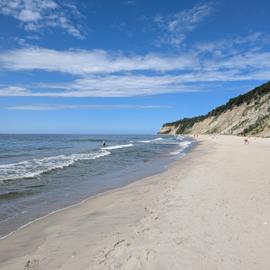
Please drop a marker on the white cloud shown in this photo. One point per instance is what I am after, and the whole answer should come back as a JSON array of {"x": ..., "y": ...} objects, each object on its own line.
[
  {"x": 130, "y": 2},
  {"x": 15, "y": 91},
  {"x": 53, "y": 107},
  {"x": 43, "y": 14},
  {"x": 105, "y": 74},
  {"x": 28, "y": 16},
  {"x": 233, "y": 45},
  {"x": 89, "y": 62},
  {"x": 127, "y": 85},
  {"x": 175, "y": 27},
  {"x": 120, "y": 86},
  {"x": 142, "y": 85},
  {"x": 249, "y": 60},
  {"x": 106, "y": 86}
]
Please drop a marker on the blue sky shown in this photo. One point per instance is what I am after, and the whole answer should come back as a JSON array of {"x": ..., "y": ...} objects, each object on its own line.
[{"x": 125, "y": 66}]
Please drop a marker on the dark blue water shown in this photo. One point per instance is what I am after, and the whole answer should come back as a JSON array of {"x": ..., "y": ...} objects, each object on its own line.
[{"x": 42, "y": 173}]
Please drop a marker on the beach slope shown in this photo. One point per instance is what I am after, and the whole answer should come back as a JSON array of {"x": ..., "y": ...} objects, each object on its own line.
[{"x": 210, "y": 210}]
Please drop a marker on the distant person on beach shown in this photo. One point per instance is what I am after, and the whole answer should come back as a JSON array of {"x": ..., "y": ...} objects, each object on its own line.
[
  {"x": 104, "y": 144},
  {"x": 246, "y": 141}
]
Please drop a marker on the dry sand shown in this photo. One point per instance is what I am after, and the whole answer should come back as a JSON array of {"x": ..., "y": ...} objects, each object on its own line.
[{"x": 210, "y": 210}]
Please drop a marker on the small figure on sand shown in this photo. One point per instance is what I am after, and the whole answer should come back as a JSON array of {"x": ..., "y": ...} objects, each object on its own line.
[
  {"x": 246, "y": 141},
  {"x": 104, "y": 144}
]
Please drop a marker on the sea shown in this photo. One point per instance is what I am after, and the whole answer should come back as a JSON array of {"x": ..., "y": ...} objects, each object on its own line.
[{"x": 40, "y": 174}]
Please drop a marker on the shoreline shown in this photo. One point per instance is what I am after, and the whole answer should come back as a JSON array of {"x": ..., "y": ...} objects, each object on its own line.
[
  {"x": 187, "y": 215},
  {"x": 134, "y": 180}
]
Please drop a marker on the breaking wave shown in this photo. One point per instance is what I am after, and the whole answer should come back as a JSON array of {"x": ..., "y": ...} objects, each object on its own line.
[
  {"x": 151, "y": 141},
  {"x": 35, "y": 167},
  {"x": 183, "y": 145},
  {"x": 113, "y": 147}
]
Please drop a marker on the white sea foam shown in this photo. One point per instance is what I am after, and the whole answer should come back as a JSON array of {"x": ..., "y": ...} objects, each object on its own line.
[
  {"x": 175, "y": 153},
  {"x": 158, "y": 139},
  {"x": 183, "y": 145},
  {"x": 113, "y": 147},
  {"x": 145, "y": 141},
  {"x": 35, "y": 167},
  {"x": 149, "y": 141}
]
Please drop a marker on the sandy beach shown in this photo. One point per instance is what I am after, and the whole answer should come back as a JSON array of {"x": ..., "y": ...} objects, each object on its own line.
[{"x": 209, "y": 210}]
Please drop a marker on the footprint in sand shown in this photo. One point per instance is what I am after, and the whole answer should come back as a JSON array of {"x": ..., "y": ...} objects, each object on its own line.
[{"x": 32, "y": 264}]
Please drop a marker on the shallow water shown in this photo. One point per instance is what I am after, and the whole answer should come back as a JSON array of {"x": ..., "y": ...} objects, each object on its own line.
[{"x": 42, "y": 173}]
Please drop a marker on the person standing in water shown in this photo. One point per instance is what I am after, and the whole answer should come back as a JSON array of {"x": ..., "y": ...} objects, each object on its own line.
[{"x": 104, "y": 144}]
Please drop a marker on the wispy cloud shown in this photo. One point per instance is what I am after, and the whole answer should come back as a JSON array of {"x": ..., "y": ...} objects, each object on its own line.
[
  {"x": 129, "y": 2},
  {"x": 131, "y": 85},
  {"x": 233, "y": 45},
  {"x": 53, "y": 107},
  {"x": 35, "y": 15},
  {"x": 175, "y": 27},
  {"x": 105, "y": 74},
  {"x": 80, "y": 62},
  {"x": 106, "y": 86},
  {"x": 10, "y": 91},
  {"x": 125, "y": 85}
]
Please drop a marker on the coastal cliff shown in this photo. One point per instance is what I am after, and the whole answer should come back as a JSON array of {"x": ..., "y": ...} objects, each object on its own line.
[{"x": 247, "y": 114}]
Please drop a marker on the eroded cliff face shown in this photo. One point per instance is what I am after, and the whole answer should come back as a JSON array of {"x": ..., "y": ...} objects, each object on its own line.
[
  {"x": 251, "y": 117},
  {"x": 168, "y": 130}
]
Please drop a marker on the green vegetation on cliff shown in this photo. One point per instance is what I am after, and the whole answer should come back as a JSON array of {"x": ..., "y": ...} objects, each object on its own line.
[{"x": 253, "y": 95}]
